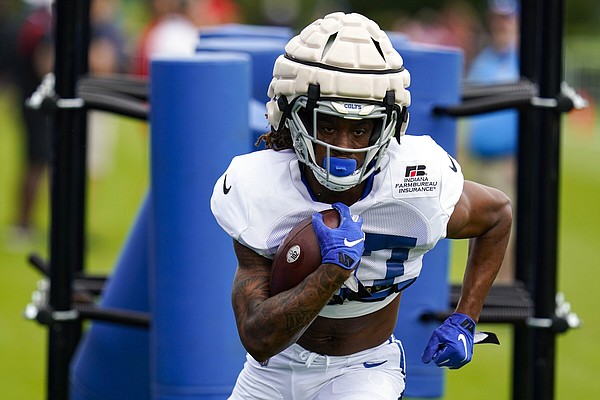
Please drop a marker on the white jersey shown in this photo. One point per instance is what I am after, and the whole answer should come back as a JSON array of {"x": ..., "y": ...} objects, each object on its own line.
[{"x": 262, "y": 196}]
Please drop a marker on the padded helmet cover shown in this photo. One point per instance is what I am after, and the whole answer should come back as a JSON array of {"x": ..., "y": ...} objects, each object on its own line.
[{"x": 347, "y": 55}]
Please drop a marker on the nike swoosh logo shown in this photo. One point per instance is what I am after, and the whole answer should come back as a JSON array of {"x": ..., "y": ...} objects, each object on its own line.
[
  {"x": 453, "y": 166},
  {"x": 225, "y": 188},
  {"x": 373, "y": 364},
  {"x": 461, "y": 338},
  {"x": 352, "y": 243}
]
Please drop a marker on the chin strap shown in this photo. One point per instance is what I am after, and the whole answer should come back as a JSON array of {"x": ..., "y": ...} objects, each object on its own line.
[
  {"x": 389, "y": 102},
  {"x": 401, "y": 123},
  {"x": 313, "y": 95},
  {"x": 284, "y": 107},
  {"x": 390, "y": 105}
]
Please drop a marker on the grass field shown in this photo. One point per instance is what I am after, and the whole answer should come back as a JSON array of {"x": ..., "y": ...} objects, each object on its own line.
[
  {"x": 113, "y": 202},
  {"x": 576, "y": 362}
]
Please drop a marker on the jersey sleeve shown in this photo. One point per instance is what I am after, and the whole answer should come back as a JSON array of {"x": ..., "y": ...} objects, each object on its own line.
[
  {"x": 452, "y": 182},
  {"x": 227, "y": 201},
  {"x": 242, "y": 203},
  {"x": 452, "y": 187}
]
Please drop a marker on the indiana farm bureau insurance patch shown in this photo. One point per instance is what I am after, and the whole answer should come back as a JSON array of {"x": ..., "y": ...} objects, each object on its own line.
[{"x": 416, "y": 182}]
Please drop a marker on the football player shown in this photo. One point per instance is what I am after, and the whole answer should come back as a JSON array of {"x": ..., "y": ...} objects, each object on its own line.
[{"x": 338, "y": 113}]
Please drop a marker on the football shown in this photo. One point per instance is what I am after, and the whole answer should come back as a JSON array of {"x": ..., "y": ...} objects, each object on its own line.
[{"x": 299, "y": 254}]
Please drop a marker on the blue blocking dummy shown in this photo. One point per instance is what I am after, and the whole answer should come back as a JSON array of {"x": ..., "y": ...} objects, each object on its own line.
[
  {"x": 111, "y": 361},
  {"x": 177, "y": 263},
  {"x": 263, "y": 43},
  {"x": 263, "y": 52},
  {"x": 435, "y": 80},
  {"x": 199, "y": 122},
  {"x": 247, "y": 31}
]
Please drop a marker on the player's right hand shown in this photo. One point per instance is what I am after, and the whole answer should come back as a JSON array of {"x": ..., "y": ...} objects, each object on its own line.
[{"x": 343, "y": 245}]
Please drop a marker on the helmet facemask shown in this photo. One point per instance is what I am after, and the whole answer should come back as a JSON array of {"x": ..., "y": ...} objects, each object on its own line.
[
  {"x": 339, "y": 174},
  {"x": 339, "y": 59}
]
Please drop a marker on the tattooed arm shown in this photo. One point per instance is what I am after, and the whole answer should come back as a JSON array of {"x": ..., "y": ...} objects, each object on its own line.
[{"x": 267, "y": 325}]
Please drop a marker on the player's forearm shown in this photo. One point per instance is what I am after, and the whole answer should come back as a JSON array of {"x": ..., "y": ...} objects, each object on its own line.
[
  {"x": 277, "y": 322},
  {"x": 486, "y": 253}
]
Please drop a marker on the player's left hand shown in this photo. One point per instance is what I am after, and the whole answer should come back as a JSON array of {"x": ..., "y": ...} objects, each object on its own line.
[{"x": 451, "y": 345}]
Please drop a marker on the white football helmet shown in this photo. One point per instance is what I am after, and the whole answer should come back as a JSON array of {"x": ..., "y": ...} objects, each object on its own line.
[{"x": 342, "y": 65}]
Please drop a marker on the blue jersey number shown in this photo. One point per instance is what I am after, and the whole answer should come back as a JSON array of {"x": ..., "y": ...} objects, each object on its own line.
[{"x": 399, "y": 245}]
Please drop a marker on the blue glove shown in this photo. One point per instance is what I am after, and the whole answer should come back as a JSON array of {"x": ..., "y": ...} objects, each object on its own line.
[
  {"x": 451, "y": 345},
  {"x": 343, "y": 245}
]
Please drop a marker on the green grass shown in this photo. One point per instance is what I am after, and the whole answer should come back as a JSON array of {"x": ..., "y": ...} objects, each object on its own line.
[
  {"x": 113, "y": 203},
  {"x": 489, "y": 375}
]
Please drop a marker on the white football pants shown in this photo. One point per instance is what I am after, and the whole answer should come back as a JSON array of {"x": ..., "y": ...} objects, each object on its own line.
[{"x": 298, "y": 374}]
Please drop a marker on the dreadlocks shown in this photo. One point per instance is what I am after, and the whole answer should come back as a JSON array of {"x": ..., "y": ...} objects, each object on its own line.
[{"x": 277, "y": 140}]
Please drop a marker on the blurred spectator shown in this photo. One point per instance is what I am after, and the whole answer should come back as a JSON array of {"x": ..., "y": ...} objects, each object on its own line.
[
  {"x": 492, "y": 137},
  {"x": 463, "y": 28},
  {"x": 169, "y": 32},
  {"x": 9, "y": 26},
  {"x": 455, "y": 24},
  {"x": 106, "y": 39},
  {"x": 498, "y": 61},
  {"x": 35, "y": 59},
  {"x": 213, "y": 12},
  {"x": 35, "y": 51},
  {"x": 174, "y": 28},
  {"x": 106, "y": 56}
]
